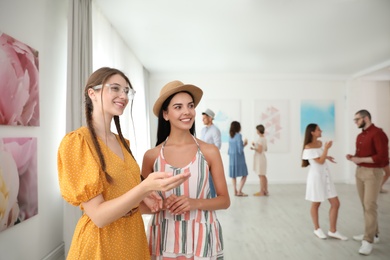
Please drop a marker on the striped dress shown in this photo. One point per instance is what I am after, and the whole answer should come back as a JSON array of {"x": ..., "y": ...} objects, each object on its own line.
[{"x": 197, "y": 234}]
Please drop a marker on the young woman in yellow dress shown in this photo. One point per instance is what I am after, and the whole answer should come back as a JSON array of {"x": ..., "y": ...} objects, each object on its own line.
[{"x": 98, "y": 173}]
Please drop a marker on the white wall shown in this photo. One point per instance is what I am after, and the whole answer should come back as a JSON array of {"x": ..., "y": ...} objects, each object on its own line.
[{"x": 42, "y": 24}]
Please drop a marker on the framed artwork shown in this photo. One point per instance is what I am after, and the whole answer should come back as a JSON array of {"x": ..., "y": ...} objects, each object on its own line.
[
  {"x": 321, "y": 112},
  {"x": 18, "y": 180},
  {"x": 274, "y": 115},
  {"x": 19, "y": 78}
]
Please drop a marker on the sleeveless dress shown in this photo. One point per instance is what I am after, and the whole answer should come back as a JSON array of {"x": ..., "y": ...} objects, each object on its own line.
[
  {"x": 197, "y": 234},
  {"x": 319, "y": 185},
  {"x": 259, "y": 159},
  {"x": 81, "y": 179}
]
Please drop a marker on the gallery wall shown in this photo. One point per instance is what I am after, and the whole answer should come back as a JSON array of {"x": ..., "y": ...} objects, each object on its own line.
[{"x": 42, "y": 25}]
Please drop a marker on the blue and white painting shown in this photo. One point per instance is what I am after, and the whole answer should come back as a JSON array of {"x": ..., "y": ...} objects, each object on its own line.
[{"x": 320, "y": 112}]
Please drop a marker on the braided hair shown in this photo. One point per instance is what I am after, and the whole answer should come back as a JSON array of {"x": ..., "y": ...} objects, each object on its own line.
[{"x": 98, "y": 77}]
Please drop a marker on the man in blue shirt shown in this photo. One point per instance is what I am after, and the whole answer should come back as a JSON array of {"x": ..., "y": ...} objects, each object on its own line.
[{"x": 212, "y": 135}]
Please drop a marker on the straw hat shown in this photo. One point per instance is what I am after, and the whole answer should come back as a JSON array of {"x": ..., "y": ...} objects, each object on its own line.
[{"x": 175, "y": 87}]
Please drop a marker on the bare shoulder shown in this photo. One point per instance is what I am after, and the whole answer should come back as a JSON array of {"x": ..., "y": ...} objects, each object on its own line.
[
  {"x": 207, "y": 149},
  {"x": 314, "y": 145}
]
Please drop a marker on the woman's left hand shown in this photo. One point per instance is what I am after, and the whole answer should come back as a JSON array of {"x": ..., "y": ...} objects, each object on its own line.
[{"x": 153, "y": 201}]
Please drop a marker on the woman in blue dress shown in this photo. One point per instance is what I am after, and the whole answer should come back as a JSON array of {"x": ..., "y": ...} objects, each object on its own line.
[{"x": 237, "y": 164}]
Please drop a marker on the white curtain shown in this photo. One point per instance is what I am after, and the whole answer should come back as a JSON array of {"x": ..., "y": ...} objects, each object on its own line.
[{"x": 79, "y": 68}]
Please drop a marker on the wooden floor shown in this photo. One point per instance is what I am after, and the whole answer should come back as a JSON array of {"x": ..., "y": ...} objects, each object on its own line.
[{"x": 280, "y": 227}]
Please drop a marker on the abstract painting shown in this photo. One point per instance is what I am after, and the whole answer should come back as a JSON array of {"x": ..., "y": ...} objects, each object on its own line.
[
  {"x": 274, "y": 115},
  {"x": 321, "y": 112}
]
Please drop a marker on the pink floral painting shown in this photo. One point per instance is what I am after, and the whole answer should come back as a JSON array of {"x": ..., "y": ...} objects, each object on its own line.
[
  {"x": 18, "y": 180},
  {"x": 19, "y": 78}
]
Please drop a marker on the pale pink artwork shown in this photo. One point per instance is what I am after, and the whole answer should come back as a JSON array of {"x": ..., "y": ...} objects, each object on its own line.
[
  {"x": 18, "y": 181},
  {"x": 19, "y": 78},
  {"x": 274, "y": 115},
  {"x": 272, "y": 123}
]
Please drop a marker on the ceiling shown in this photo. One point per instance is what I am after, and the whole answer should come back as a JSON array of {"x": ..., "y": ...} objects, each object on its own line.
[{"x": 305, "y": 37}]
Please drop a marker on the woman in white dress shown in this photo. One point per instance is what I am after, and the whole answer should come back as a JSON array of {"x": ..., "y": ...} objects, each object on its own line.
[
  {"x": 260, "y": 160},
  {"x": 319, "y": 186}
]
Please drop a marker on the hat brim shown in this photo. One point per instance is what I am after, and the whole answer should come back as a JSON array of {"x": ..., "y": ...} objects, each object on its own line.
[{"x": 196, "y": 92}]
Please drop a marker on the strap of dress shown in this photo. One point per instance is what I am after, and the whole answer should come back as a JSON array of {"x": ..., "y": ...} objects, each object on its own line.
[
  {"x": 162, "y": 147},
  {"x": 196, "y": 142}
]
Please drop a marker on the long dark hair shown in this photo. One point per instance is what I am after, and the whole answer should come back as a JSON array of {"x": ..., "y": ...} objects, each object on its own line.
[
  {"x": 308, "y": 139},
  {"x": 235, "y": 127},
  {"x": 98, "y": 77},
  {"x": 163, "y": 126}
]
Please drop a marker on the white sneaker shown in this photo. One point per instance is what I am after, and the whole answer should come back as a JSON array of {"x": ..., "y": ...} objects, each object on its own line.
[
  {"x": 366, "y": 248},
  {"x": 360, "y": 238},
  {"x": 337, "y": 235},
  {"x": 319, "y": 233}
]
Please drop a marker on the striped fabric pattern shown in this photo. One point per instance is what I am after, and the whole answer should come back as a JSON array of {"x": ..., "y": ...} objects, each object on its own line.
[{"x": 197, "y": 234}]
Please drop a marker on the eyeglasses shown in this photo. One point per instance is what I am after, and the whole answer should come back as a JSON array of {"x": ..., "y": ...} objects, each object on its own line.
[
  {"x": 357, "y": 119},
  {"x": 116, "y": 89}
]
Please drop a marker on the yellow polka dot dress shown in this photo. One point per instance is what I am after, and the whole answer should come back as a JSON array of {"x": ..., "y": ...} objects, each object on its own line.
[{"x": 81, "y": 179}]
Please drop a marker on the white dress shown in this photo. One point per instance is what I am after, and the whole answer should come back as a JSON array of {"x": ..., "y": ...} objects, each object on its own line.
[
  {"x": 259, "y": 159},
  {"x": 319, "y": 185}
]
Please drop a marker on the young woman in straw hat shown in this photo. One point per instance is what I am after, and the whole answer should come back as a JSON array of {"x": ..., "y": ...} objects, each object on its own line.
[
  {"x": 98, "y": 173},
  {"x": 187, "y": 227}
]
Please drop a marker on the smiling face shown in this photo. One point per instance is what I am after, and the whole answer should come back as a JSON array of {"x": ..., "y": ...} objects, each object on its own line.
[
  {"x": 111, "y": 97},
  {"x": 181, "y": 111}
]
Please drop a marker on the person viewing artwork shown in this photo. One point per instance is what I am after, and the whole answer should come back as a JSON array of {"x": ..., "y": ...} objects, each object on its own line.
[
  {"x": 212, "y": 135},
  {"x": 237, "y": 163},
  {"x": 98, "y": 173},
  {"x": 260, "y": 160},
  {"x": 319, "y": 186},
  {"x": 187, "y": 227}
]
